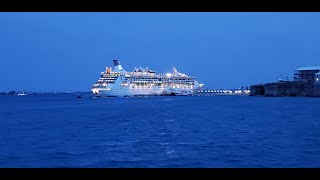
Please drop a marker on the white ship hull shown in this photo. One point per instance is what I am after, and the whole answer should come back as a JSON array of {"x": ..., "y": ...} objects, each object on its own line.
[{"x": 127, "y": 92}]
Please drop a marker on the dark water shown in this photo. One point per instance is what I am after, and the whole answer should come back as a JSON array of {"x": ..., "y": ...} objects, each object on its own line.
[{"x": 220, "y": 131}]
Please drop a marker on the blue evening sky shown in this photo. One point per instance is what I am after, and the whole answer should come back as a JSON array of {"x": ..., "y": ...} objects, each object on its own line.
[{"x": 67, "y": 51}]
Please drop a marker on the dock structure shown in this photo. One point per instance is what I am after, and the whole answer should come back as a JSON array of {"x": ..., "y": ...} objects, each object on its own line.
[
  {"x": 306, "y": 83},
  {"x": 220, "y": 92}
]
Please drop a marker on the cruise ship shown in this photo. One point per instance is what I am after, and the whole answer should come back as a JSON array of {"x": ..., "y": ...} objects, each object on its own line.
[{"x": 116, "y": 82}]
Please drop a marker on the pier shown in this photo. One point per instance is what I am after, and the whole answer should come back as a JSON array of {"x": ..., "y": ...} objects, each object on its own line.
[{"x": 220, "y": 92}]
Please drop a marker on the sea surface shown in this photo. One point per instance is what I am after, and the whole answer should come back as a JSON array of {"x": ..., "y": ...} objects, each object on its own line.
[{"x": 216, "y": 131}]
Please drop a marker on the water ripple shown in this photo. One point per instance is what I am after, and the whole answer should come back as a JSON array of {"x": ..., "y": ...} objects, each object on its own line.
[{"x": 61, "y": 131}]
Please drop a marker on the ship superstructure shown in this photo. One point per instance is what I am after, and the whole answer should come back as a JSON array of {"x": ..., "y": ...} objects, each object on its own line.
[{"x": 116, "y": 82}]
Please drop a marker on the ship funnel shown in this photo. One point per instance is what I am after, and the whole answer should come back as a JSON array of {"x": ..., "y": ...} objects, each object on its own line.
[
  {"x": 117, "y": 67},
  {"x": 116, "y": 62}
]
